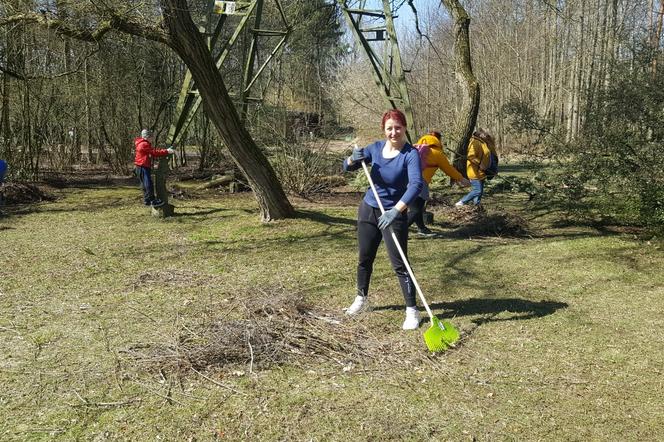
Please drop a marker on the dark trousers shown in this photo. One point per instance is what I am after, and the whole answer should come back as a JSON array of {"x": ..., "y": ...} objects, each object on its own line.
[
  {"x": 145, "y": 176},
  {"x": 416, "y": 213},
  {"x": 369, "y": 237}
]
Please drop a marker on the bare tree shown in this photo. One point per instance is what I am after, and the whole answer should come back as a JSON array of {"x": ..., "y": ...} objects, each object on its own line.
[
  {"x": 464, "y": 71},
  {"x": 656, "y": 33}
]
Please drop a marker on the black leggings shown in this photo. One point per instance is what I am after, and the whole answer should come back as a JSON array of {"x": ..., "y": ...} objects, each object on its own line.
[
  {"x": 416, "y": 213},
  {"x": 369, "y": 237}
]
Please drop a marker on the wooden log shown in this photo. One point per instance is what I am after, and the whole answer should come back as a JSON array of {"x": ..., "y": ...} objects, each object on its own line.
[{"x": 220, "y": 181}]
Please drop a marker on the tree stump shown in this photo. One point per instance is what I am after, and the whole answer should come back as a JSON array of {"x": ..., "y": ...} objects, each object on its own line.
[
  {"x": 164, "y": 211},
  {"x": 160, "y": 187}
]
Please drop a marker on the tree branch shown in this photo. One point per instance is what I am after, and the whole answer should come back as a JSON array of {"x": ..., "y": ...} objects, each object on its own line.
[
  {"x": 18, "y": 76},
  {"x": 421, "y": 34},
  {"x": 115, "y": 21},
  {"x": 60, "y": 26},
  {"x": 417, "y": 21}
]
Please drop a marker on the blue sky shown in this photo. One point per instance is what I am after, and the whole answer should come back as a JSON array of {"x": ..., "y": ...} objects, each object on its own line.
[{"x": 405, "y": 18}]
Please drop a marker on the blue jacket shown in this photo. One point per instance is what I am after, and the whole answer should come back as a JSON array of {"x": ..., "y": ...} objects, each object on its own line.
[
  {"x": 398, "y": 178},
  {"x": 3, "y": 170}
]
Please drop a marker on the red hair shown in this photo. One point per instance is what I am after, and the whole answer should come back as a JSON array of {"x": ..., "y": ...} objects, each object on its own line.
[{"x": 393, "y": 114}]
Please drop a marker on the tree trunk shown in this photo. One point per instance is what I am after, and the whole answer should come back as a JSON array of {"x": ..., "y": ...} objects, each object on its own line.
[
  {"x": 188, "y": 43},
  {"x": 464, "y": 72},
  {"x": 5, "y": 130},
  {"x": 656, "y": 37},
  {"x": 88, "y": 117}
]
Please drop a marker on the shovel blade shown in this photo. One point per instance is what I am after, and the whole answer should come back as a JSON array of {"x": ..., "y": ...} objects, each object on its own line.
[{"x": 441, "y": 335}]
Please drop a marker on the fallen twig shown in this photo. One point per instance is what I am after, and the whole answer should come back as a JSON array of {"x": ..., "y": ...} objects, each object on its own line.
[
  {"x": 218, "y": 383},
  {"x": 87, "y": 403}
]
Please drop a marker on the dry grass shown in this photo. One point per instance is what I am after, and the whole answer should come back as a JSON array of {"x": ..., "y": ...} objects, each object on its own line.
[{"x": 209, "y": 325}]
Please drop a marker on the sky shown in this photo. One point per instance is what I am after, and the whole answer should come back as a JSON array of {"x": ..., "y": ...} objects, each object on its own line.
[{"x": 405, "y": 19}]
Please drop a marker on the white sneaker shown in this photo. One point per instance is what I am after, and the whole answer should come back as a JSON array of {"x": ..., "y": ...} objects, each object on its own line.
[
  {"x": 360, "y": 304},
  {"x": 458, "y": 204},
  {"x": 412, "y": 321}
]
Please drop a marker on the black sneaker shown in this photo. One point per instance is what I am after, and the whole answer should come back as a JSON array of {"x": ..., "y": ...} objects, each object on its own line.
[
  {"x": 425, "y": 232},
  {"x": 157, "y": 203}
]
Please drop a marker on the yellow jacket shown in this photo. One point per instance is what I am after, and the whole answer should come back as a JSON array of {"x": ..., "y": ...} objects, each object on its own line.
[
  {"x": 437, "y": 160},
  {"x": 478, "y": 159}
]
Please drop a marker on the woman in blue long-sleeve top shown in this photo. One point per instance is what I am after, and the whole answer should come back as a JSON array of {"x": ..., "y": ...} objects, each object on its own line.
[{"x": 396, "y": 173}]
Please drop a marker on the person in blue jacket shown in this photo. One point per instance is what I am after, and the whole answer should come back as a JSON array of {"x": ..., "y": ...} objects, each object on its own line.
[
  {"x": 396, "y": 173},
  {"x": 3, "y": 171}
]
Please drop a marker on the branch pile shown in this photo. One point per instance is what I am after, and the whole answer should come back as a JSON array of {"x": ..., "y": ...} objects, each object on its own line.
[
  {"x": 23, "y": 193},
  {"x": 266, "y": 330},
  {"x": 475, "y": 221}
]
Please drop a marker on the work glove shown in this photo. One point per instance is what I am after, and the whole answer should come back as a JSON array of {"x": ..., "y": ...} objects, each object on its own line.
[
  {"x": 171, "y": 150},
  {"x": 357, "y": 155},
  {"x": 387, "y": 218}
]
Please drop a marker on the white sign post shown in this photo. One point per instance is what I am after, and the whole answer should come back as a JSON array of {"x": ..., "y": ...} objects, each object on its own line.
[{"x": 224, "y": 7}]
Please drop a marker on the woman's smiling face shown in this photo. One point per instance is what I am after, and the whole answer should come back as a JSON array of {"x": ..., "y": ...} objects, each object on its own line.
[{"x": 394, "y": 132}]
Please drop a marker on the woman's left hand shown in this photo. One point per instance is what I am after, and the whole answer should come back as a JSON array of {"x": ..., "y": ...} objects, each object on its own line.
[{"x": 387, "y": 218}]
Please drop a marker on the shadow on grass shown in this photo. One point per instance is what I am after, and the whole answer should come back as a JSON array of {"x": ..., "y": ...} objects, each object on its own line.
[
  {"x": 314, "y": 240},
  {"x": 99, "y": 180},
  {"x": 107, "y": 203},
  {"x": 201, "y": 211},
  {"x": 488, "y": 309},
  {"x": 506, "y": 169},
  {"x": 329, "y": 233},
  {"x": 19, "y": 210},
  {"x": 606, "y": 226},
  {"x": 324, "y": 219}
]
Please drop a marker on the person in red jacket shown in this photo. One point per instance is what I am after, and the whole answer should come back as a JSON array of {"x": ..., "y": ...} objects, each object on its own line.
[{"x": 143, "y": 161}]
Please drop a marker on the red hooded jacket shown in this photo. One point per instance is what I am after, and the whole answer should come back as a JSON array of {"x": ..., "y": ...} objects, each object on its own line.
[{"x": 145, "y": 152}]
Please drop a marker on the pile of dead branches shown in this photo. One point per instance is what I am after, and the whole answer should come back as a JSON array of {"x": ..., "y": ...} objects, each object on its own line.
[
  {"x": 23, "y": 193},
  {"x": 261, "y": 332},
  {"x": 473, "y": 220}
]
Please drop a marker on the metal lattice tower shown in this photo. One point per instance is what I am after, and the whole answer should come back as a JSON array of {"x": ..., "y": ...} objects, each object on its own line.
[
  {"x": 219, "y": 13},
  {"x": 387, "y": 69}
]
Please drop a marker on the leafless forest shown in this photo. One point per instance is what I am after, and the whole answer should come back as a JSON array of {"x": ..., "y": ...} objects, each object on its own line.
[{"x": 572, "y": 83}]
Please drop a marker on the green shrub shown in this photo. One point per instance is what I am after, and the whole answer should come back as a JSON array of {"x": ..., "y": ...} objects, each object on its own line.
[
  {"x": 614, "y": 166},
  {"x": 305, "y": 167}
]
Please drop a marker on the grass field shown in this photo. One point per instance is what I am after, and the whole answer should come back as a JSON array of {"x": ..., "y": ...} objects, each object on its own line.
[{"x": 212, "y": 326}]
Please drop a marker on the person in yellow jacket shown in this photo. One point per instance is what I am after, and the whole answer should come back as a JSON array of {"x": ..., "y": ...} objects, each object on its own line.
[
  {"x": 431, "y": 161},
  {"x": 479, "y": 149}
]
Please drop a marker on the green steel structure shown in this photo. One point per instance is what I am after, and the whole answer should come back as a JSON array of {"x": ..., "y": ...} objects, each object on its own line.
[
  {"x": 221, "y": 13},
  {"x": 368, "y": 27},
  {"x": 189, "y": 101},
  {"x": 373, "y": 30}
]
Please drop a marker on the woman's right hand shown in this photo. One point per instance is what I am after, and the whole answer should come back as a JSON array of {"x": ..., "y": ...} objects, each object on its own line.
[{"x": 357, "y": 155}]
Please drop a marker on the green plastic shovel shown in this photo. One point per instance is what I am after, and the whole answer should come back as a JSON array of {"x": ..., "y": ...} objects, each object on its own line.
[{"x": 441, "y": 334}]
